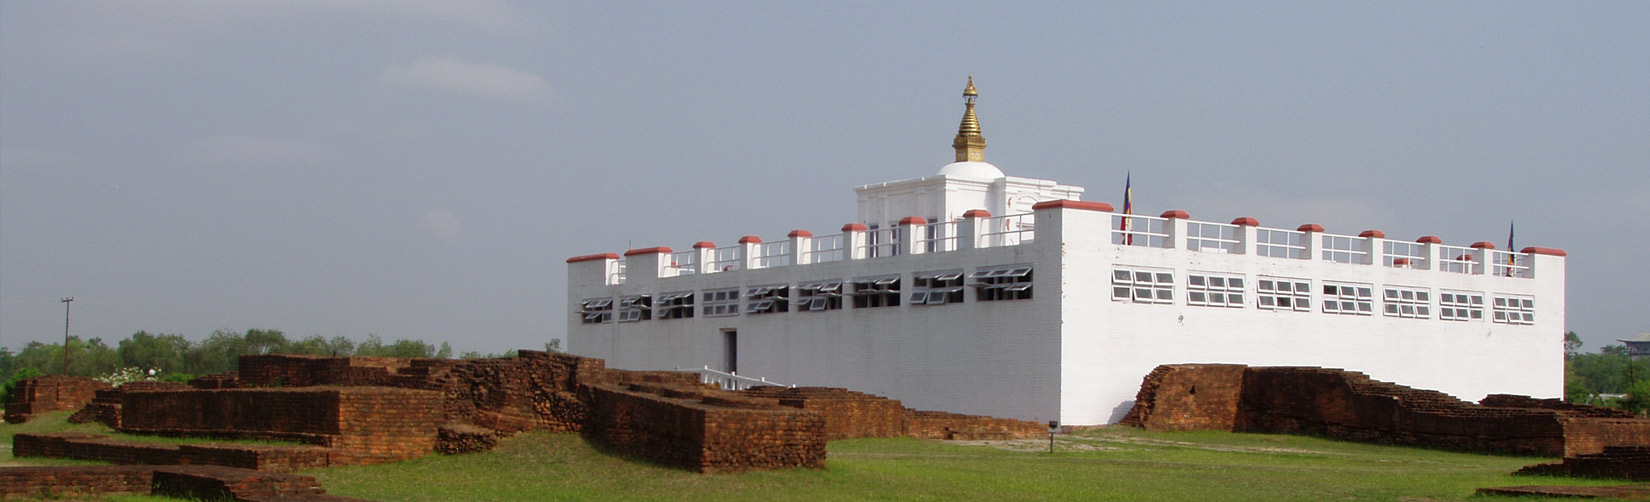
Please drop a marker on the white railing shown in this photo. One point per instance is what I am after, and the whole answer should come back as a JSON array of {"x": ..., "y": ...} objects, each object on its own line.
[
  {"x": 1508, "y": 263},
  {"x": 728, "y": 259},
  {"x": 1457, "y": 259},
  {"x": 825, "y": 249},
  {"x": 773, "y": 254},
  {"x": 1397, "y": 254},
  {"x": 1278, "y": 243},
  {"x": 730, "y": 381},
  {"x": 940, "y": 237},
  {"x": 1006, "y": 230},
  {"x": 685, "y": 262},
  {"x": 1345, "y": 248},
  {"x": 1138, "y": 230},
  {"x": 880, "y": 242},
  {"x": 1212, "y": 237}
]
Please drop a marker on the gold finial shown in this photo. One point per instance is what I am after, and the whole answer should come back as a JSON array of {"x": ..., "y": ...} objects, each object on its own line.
[{"x": 970, "y": 145}]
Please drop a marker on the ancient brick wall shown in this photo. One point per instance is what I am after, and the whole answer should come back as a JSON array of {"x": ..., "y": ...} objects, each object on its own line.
[
  {"x": 1618, "y": 462},
  {"x": 1188, "y": 396},
  {"x": 50, "y": 393},
  {"x": 1349, "y": 405},
  {"x": 101, "y": 448},
  {"x": 73, "y": 482},
  {"x": 848, "y": 414},
  {"x": 942, "y": 425},
  {"x": 674, "y": 427},
  {"x": 361, "y": 424},
  {"x": 190, "y": 482},
  {"x": 105, "y": 407}
]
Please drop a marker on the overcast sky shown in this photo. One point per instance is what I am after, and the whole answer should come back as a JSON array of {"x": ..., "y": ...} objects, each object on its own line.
[{"x": 422, "y": 169}]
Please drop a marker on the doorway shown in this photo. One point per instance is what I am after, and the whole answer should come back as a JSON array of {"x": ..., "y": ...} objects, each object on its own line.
[{"x": 730, "y": 350}]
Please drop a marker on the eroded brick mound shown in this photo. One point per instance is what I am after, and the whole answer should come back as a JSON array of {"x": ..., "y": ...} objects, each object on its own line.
[
  {"x": 50, "y": 393},
  {"x": 1188, "y": 396},
  {"x": 195, "y": 482},
  {"x": 1615, "y": 462},
  {"x": 1621, "y": 492},
  {"x": 1349, "y": 405}
]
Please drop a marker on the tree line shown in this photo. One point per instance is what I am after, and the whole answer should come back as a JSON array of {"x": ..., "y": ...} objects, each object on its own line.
[
  {"x": 174, "y": 357},
  {"x": 1597, "y": 378}
]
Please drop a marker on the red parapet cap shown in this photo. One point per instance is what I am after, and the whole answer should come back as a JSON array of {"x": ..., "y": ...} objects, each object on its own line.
[
  {"x": 977, "y": 213},
  {"x": 704, "y": 245},
  {"x": 1309, "y": 227},
  {"x": 800, "y": 233},
  {"x": 1072, "y": 204},
  {"x": 1482, "y": 245},
  {"x": 652, "y": 250},
  {"x": 913, "y": 220},
  {"x": 1430, "y": 239},
  {"x": 593, "y": 257},
  {"x": 854, "y": 227},
  {"x": 1545, "y": 251},
  {"x": 1175, "y": 213},
  {"x": 1246, "y": 222},
  {"x": 750, "y": 239},
  {"x": 1373, "y": 233}
]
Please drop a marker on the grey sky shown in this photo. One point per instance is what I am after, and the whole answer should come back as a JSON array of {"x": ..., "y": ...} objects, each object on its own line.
[{"x": 421, "y": 169}]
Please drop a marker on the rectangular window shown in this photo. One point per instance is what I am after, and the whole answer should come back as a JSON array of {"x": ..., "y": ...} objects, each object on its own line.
[
  {"x": 767, "y": 299},
  {"x": 678, "y": 305},
  {"x": 875, "y": 292},
  {"x": 1011, "y": 283},
  {"x": 635, "y": 308},
  {"x": 1348, "y": 299},
  {"x": 1412, "y": 303},
  {"x": 1276, "y": 293},
  {"x": 721, "y": 302},
  {"x": 596, "y": 310},
  {"x": 1142, "y": 286},
  {"x": 1460, "y": 306},
  {"x": 819, "y": 295},
  {"x": 1210, "y": 290},
  {"x": 937, "y": 288},
  {"x": 1514, "y": 310}
]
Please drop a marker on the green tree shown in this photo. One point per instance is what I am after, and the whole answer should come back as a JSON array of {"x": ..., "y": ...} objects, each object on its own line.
[
  {"x": 1638, "y": 397},
  {"x": 162, "y": 352},
  {"x": 1575, "y": 385},
  {"x": 1572, "y": 344}
]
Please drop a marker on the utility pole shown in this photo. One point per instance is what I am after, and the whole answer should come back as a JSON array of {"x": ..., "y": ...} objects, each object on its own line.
[{"x": 66, "y": 335}]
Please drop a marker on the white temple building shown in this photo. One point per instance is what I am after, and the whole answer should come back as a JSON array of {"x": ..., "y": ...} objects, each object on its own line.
[{"x": 976, "y": 292}]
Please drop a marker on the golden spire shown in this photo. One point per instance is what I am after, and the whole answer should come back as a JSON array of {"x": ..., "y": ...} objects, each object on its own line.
[{"x": 970, "y": 145}]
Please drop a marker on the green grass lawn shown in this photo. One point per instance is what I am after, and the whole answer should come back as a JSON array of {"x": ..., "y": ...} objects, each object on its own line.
[{"x": 1113, "y": 463}]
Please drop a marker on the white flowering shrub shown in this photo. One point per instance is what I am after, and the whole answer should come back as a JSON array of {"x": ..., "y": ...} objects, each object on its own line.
[{"x": 128, "y": 374}]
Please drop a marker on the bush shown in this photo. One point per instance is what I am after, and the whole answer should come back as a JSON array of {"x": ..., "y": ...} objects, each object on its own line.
[{"x": 20, "y": 375}]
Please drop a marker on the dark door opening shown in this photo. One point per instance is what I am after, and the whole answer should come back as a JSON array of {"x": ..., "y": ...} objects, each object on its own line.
[{"x": 730, "y": 351}]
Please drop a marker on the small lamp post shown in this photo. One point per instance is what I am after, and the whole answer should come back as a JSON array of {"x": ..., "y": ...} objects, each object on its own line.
[
  {"x": 1053, "y": 426},
  {"x": 66, "y": 334}
]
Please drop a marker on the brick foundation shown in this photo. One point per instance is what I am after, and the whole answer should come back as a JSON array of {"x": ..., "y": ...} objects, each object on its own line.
[
  {"x": 1349, "y": 405},
  {"x": 1616, "y": 462},
  {"x": 683, "y": 427},
  {"x": 101, "y": 448},
  {"x": 50, "y": 393},
  {"x": 359, "y": 424},
  {"x": 193, "y": 482}
]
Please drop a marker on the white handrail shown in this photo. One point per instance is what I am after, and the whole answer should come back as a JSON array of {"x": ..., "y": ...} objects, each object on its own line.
[{"x": 730, "y": 381}]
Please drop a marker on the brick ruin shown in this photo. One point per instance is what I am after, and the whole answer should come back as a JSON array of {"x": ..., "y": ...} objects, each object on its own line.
[
  {"x": 50, "y": 393},
  {"x": 1349, "y": 405},
  {"x": 348, "y": 410},
  {"x": 195, "y": 482}
]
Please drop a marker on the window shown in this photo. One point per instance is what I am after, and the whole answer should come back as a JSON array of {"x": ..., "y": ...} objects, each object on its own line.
[
  {"x": 1001, "y": 284},
  {"x": 678, "y": 305},
  {"x": 635, "y": 308},
  {"x": 1460, "y": 306},
  {"x": 819, "y": 295},
  {"x": 874, "y": 292},
  {"x": 1284, "y": 294},
  {"x": 1413, "y": 303},
  {"x": 1514, "y": 310},
  {"x": 767, "y": 299},
  {"x": 1142, "y": 286},
  {"x": 721, "y": 302},
  {"x": 937, "y": 288},
  {"x": 1211, "y": 290},
  {"x": 1348, "y": 299},
  {"x": 596, "y": 310}
]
